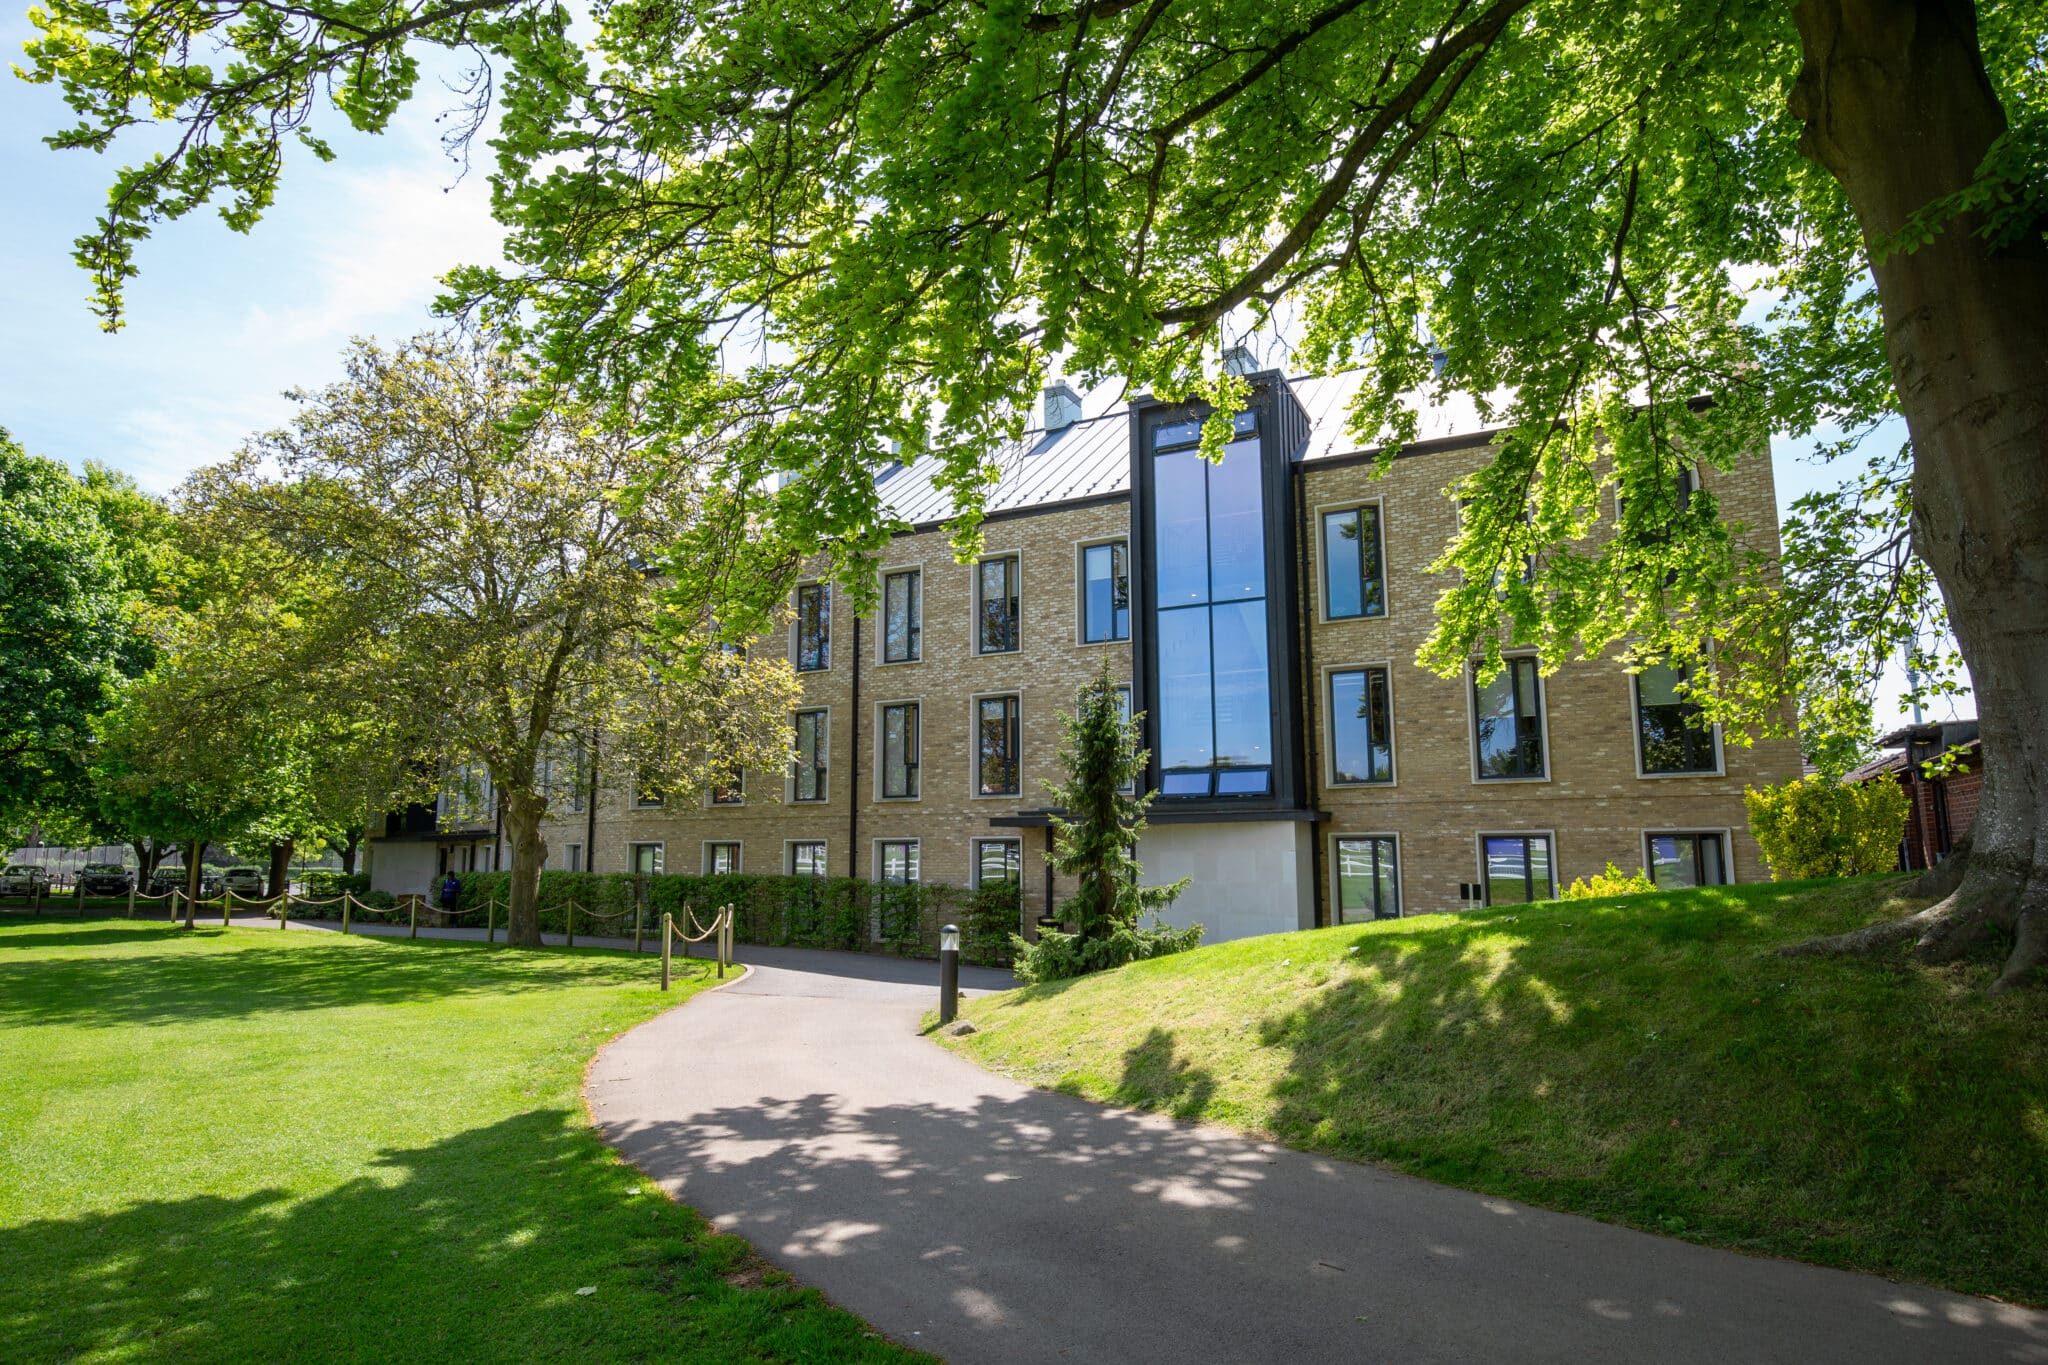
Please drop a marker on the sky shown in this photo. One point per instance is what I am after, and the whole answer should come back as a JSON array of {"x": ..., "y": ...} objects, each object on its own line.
[{"x": 221, "y": 323}]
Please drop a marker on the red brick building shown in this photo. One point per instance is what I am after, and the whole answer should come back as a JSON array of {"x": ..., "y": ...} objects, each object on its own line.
[{"x": 1943, "y": 806}]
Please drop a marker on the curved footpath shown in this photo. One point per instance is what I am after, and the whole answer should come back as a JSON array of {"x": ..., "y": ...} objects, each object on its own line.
[{"x": 983, "y": 1220}]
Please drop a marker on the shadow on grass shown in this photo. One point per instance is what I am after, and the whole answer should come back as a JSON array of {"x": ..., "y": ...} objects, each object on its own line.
[
  {"x": 203, "y": 975},
  {"x": 471, "y": 1248}
]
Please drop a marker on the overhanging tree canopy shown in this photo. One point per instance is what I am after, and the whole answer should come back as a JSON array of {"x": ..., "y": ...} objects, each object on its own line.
[{"x": 922, "y": 201}]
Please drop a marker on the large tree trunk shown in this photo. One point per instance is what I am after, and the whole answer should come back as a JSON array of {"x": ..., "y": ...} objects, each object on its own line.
[
  {"x": 353, "y": 841},
  {"x": 280, "y": 866},
  {"x": 522, "y": 822},
  {"x": 1897, "y": 106}
]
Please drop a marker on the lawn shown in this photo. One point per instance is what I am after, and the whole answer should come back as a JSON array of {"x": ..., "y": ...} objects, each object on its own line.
[
  {"x": 1646, "y": 1060},
  {"x": 239, "y": 1145}
]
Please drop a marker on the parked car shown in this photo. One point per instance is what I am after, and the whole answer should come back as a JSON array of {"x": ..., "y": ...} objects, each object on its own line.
[
  {"x": 173, "y": 879},
  {"x": 23, "y": 879},
  {"x": 244, "y": 880},
  {"x": 105, "y": 879}
]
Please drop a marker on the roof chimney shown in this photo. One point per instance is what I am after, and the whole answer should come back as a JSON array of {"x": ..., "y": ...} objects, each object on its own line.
[
  {"x": 1239, "y": 360},
  {"x": 1062, "y": 405}
]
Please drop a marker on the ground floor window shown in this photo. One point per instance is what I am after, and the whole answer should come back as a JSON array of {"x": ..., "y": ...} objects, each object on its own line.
[
  {"x": 1518, "y": 868},
  {"x": 721, "y": 860},
  {"x": 807, "y": 859},
  {"x": 1688, "y": 859},
  {"x": 898, "y": 861},
  {"x": 998, "y": 860},
  {"x": 572, "y": 854},
  {"x": 644, "y": 860},
  {"x": 1368, "y": 882}
]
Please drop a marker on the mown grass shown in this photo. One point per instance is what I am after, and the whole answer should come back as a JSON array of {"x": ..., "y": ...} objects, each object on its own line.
[
  {"x": 237, "y": 1145},
  {"x": 1647, "y": 1060}
]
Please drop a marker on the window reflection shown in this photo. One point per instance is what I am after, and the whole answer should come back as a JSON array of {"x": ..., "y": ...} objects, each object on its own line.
[
  {"x": 1361, "y": 728},
  {"x": 1518, "y": 869},
  {"x": 1668, "y": 731},
  {"x": 1368, "y": 886},
  {"x": 1508, "y": 715}
]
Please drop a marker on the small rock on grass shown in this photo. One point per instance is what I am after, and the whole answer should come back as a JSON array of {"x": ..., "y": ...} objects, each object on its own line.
[{"x": 960, "y": 1028}]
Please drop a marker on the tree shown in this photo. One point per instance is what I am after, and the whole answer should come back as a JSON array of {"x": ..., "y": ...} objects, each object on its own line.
[
  {"x": 924, "y": 203},
  {"x": 62, "y": 636},
  {"x": 489, "y": 567}
]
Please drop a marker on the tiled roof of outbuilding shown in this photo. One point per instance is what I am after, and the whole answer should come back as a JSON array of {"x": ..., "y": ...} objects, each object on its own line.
[{"x": 1092, "y": 458}]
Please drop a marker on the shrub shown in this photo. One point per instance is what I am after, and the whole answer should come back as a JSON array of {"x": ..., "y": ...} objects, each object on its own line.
[
  {"x": 1612, "y": 882},
  {"x": 323, "y": 885},
  {"x": 1057, "y": 956},
  {"x": 1812, "y": 827}
]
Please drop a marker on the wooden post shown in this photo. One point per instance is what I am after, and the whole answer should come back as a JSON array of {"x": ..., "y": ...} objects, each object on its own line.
[
  {"x": 345, "y": 899},
  {"x": 227, "y": 903},
  {"x": 131, "y": 899},
  {"x": 636, "y": 924},
  {"x": 490, "y": 919},
  {"x": 284, "y": 908},
  {"x": 571, "y": 936},
  {"x": 414, "y": 902},
  {"x": 35, "y": 897},
  {"x": 668, "y": 926},
  {"x": 724, "y": 928}
]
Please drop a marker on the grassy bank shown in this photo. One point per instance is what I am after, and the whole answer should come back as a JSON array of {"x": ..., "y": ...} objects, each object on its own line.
[
  {"x": 1645, "y": 1060},
  {"x": 238, "y": 1145}
]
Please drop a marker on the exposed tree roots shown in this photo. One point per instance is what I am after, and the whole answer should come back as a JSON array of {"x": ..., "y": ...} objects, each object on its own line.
[{"x": 1974, "y": 900}]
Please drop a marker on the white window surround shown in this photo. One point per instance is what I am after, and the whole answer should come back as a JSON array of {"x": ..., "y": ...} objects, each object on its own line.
[
  {"x": 1322, "y": 585},
  {"x": 1329, "y": 746},
  {"x": 1635, "y": 741},
  {"x": 1472, "y": 721},
  {"x": 974, "y": 745},
  {"x": 1336, "y": 883},
  {"x": 974, "y": 649},
  {"x": 1081, "y": 548}
]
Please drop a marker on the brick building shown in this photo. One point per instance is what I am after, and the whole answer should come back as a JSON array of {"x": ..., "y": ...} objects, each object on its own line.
[
  {"x": 1266, "y": 613},
  {"x": 1943, "y": 806}
]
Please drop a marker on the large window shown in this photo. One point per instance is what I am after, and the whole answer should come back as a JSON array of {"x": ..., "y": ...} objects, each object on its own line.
[
  {"x": 813, "y": 627},
  {"x": 1669, "y": 738},
  {"x": 1361, "y": 727},
  {"x": 644, "y": 859},
  {"x": 1507, "y": 718},
  {"x": 1105, "y": 593},
  {"x": 808, "y": 776},
  {"x": 902, "y": 616},
  {"x": 1688, "y": 859},
  {"x": 998, "y": 741},
  {"x": 1518, "y": 869},
  {"x": 731, "y": 792},
  {"x": 807, "y": 859},
  {"x": 1368, "y": 882},
  {"x": 995, "y": 605},
  {"x": 899, "y": 750},
  {"x": 1354, "y": 573},
  {"x": 1215, "y": 693},
  {"x": 721, "y": 859},
  {"x": 997, "y": 861},
  {"x": 898, "y": 861}
]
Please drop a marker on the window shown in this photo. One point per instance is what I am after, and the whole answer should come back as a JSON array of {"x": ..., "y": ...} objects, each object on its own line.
[
  {"x": 1508, "y": 721},
  {"x": 1105, "y": 593},
  {"x": 1361, "y": 727},
  {"x": 572, "y": 855},
  {"x": 995, "y": 605},
  {"x": 902, "y": 616},
  {"x": 1688, "y": 859},
  {"x": 1518, "y": 869},
  {"x": 721, "y": 860},
  {"x": 997, "y": 861},
  {"x": 808, "y": 775},
  {"x": 1216, "y": 715},
  {"x": 645, "y": 793},
  {"x": 813, "y": 627},
  {"x": 1669, "y": 738},
  {"x": 899, "y": 750},
  {"x": 644, "y": 860},
  {"x": 898, "y": 858},
  {"x": 732, "y": 793},
  {"x": 807, "y": 859},
  {"x": 580, "y": 780},
  {"x": 1368, "y": 882},
  {"x": 998, "y": 739},
  {"x": 1354, "y": 572}
]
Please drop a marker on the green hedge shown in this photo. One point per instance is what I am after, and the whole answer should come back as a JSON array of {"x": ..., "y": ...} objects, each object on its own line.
[{"x": 846, "y": 913}]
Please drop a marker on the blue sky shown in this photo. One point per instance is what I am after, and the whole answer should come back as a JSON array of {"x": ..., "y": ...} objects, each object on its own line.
[{"x": 220, "y": 323}]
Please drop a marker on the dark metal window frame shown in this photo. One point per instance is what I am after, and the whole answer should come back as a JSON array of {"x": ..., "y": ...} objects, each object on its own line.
[
  {"x": 1013, "y": 861},
  {"x": 1013, "y": 742},
  {"x": 1005, "y": 627},
  {"x": 1512, "y": 668},
  {"x": 737, "y": 789},
  {"x": 813, "y": 652},
  {"x": 1373, "y": 740},
  {"x": 1528, "y": 866},
  {"x": 791, "y": 857},
  {"x": 911, "y": 732},
  {"x": 1393, "y": 853},
  {"x": 1699, "y": 862},
  {"x": 1117, "y": 549},
  {"x": 711, "y": 847},
  {"x": 914, "y": 855},
  {"x": 820, "y": 735},
  {"x": 1368, "y": 608},
  {"x": 1709, "y": 734},
  {"x": 913, "y": 625}
]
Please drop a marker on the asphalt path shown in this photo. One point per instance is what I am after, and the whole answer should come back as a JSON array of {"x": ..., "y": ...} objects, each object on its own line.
[{"x": 983, "y": 1220}]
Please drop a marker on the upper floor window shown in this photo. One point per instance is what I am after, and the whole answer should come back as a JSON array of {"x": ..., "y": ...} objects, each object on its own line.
[
  {"x": 1354, "y": 571},
  {"x": 721, "y": 860},
  {"x": 808, "y": 774},
  {"x": 995, "y": 595},
  {"x": 902, "y": 616},
  {"x": 1105, "y": 593},
  {"x": 898, "y": 859},
  {"x": 1508, "y": 721},
  {"x": 998, "y": 729},
  {"x": 730, "y": 793},
  {"x": 1361, "y": 726},
  {"x": 645, "y": 793},
  {"x": 1669, "y": 737},
  {"x": 899, "y": 750},
  {"x": 813, "y": 627}
]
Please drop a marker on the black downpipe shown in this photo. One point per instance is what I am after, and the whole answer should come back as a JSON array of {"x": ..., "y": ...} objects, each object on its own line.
[
  {"x": 1312, "y": 758},
  {"x": 853, "y": 767}
]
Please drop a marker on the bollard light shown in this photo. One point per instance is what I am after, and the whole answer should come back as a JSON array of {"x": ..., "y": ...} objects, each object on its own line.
[{"x": 949, "y": 973}]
